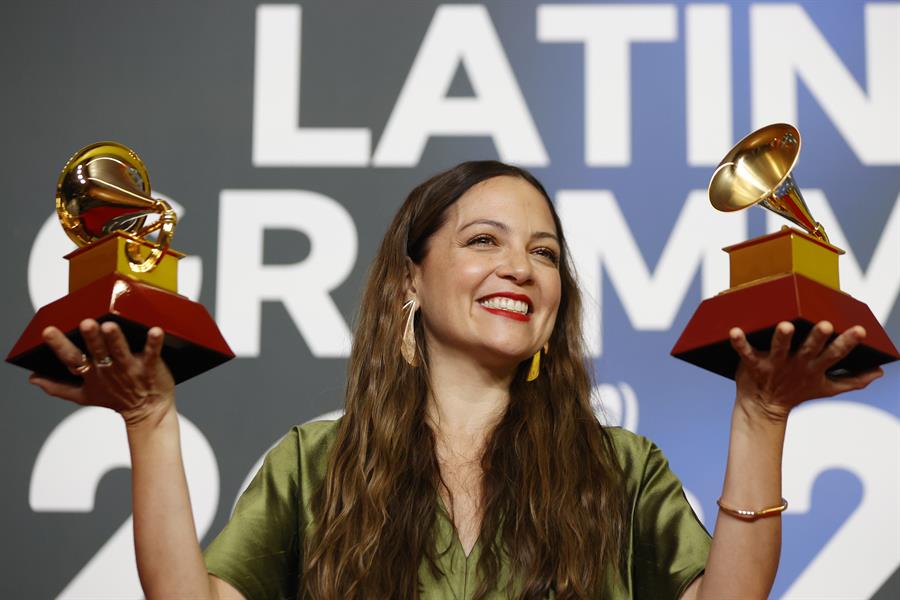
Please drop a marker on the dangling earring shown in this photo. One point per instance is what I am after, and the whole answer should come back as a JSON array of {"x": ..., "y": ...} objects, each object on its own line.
[
  {"x": 408, "y": 340},
  {"x": 535, "y": 369}
]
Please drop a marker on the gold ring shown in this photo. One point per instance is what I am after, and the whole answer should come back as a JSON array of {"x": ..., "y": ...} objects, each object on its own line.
[
  {"x": 82, "y": 368},
  {"x": 104, "y": 362}
]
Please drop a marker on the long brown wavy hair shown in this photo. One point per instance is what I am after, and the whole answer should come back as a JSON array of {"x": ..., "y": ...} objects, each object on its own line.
[{"x": 552, "y": 500}]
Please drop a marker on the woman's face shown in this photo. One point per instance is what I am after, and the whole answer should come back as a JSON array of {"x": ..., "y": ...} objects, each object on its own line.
[{"x": 489, "y": 284}]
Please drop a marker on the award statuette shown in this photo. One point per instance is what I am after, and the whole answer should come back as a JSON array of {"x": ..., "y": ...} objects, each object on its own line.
[
  {"x": 790, "y": 275},
  {"x": 118, "y": 273}
]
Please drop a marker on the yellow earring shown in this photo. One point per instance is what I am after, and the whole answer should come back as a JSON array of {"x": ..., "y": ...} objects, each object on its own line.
[{"x": 535, "y": 369}]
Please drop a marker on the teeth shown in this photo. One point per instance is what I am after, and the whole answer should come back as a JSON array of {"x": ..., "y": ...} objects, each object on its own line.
[{"x": 506, "y": 304}]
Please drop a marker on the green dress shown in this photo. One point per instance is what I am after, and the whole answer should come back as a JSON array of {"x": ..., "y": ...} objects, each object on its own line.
[{"x": 258, "y": 551}]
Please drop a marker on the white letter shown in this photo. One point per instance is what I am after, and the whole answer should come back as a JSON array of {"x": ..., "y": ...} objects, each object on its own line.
[
  {"x": 278, "y": 139},
  {"x": 877, "y": 286},
  {"x": 244, "y": 282},
  {"x": 785, "y": 44},
  {"x": 75, "y": 457},
  {"x": 607, "y": 32},
  {"x": 708, "y": 57},
  {"x": 460, "y": 35},
  {"x": 843, "y": 434},
  {"x": 597, "y": 233}
]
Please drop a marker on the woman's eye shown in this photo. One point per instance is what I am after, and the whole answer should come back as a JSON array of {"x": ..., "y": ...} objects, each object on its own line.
[
  {"x": 549, "y": 254},
  {"x": 481, "y": 240}
]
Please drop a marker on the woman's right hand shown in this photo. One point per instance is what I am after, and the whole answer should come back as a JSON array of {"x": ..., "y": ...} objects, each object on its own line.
[{"x": 137, "y": 386}]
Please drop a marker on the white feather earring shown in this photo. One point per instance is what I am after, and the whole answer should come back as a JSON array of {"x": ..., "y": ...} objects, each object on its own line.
[{"x": 408, "y": 340}]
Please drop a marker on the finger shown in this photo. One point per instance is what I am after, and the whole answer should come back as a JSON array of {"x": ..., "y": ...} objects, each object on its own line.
[
  {"x": 842, "y": 346},
  {"x": 93, "y": 339},
  {"x": 67, "y": 352},
  {"x": 841, "y": 385},
  {"x": 743, "y": 348},
  {"x": 781, "y": 341},
  {"x": 117, "y": 344},
  {"x": 153, "y": 346},
  {"x": 66, "y": 391},
  {"x": 816, "y": 340}
]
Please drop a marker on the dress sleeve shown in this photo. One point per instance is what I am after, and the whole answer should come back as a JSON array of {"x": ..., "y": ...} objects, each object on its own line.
[
  {"x": 669, "y": 545},
  {"x": 257, "y": 552}
]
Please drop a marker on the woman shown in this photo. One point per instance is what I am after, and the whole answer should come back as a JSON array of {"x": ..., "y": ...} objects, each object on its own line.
[{"x": 468, "y": 462}]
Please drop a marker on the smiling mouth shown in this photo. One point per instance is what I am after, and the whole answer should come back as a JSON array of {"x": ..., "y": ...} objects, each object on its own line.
[{"x": 504, "y": 306}]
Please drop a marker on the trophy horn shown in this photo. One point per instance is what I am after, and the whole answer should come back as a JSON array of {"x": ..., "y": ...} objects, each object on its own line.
[
  {"x": 104, "y": 188},
  {"x": 758, "y": 171}
]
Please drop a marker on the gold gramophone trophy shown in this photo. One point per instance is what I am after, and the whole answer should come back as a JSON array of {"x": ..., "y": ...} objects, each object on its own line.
[
  {"x": 118, "y": 273},
  {"x": 790, "y": 275}
]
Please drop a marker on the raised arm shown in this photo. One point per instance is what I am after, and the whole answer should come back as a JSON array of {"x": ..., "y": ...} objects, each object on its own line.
[
  {"x": 744, "y": 555},
  {"x": 140, "y": 388}
]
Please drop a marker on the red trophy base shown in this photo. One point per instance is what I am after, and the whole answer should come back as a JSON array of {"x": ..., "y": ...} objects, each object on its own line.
[
  {"x": 759, "y": 307},
  {"x": 193, "y": 343}
]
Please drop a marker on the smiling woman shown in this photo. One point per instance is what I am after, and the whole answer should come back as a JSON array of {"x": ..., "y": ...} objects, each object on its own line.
[
  {"x": 468, "y": 463},
  {"x": 468, "y": 248},
  {"x": 489, "y": 283}
]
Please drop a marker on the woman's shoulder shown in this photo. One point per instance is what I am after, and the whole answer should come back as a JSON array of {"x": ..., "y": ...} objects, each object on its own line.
[
  {"x": 304, "y": 449},
  {"x": 320, "y": 432},
  {"x": 628, "y": 442},
  {"x": 636, "y": 454},
  {"x": 309, "y": 442},
  {"x": 296, "y": 465}
]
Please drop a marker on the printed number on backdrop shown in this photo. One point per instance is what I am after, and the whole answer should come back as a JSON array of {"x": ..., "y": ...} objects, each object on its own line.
[{"x": 76, "y": 456}]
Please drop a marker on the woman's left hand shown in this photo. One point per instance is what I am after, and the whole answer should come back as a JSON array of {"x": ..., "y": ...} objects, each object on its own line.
[{"x": 778, "y": 380}]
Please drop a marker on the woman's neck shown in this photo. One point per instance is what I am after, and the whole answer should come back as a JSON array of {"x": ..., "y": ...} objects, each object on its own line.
[{"x": 465, "y": 401}]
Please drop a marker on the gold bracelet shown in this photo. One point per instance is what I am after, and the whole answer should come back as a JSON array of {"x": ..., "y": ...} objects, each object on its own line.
[{"x": 752, "y": 515}]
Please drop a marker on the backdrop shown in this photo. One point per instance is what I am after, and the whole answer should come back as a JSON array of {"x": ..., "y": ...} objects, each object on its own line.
[{"x": 288, "y": 134}]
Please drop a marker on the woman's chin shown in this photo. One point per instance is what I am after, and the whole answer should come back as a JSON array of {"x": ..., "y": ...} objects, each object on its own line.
[
  {"x": 498, "y": 354},
  {"x": 501, "y": 358}
]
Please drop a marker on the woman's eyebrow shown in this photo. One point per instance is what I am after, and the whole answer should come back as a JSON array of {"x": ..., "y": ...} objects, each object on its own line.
[
  {"x": 544, "y": 234},
  {"x": 496, "y": 224},
  {"x": 505, "y": 229}
]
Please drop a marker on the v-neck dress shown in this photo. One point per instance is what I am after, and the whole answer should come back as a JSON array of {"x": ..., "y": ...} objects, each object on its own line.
[{"x": 258, "y": 551}]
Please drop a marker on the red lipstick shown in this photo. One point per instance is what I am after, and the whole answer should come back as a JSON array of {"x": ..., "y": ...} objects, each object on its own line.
[
  {"x": 511, "y": 296},
  {"x": 507, "y": 313}
]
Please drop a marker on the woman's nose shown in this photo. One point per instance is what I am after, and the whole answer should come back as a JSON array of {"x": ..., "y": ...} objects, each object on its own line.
[{"x": 516, "y": 266}]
